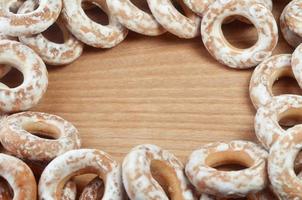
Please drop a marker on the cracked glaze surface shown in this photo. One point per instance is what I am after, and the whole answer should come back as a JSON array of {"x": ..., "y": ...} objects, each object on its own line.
[
  {"x": 264, "y": 77},
  {"x": 52, "y": 53},
  {"x": 78, "y": 162},
  {"x": 293, "y": 16},
  {"x": 291, "y": 37},
  {"x": 173, "y": 21},
  {"x": 286, "y": 184},
  {"x": 31, "y": 23},
  {"x": 207, "y": 179},
  {"x": 88, "y": 31},
  {"x": 222, "y": 50},
  {"x": 20, "y": 142},
  {"x": 19, "y": 176},
  {"x": 297, "y": 64},
  {"x": 200, "y": 6},
  {"x": 137, "y": 176},
  {"x": 135, "y": 19},
  {"x": 35, "y": 74},
  {"x": 267, "y": 118}
]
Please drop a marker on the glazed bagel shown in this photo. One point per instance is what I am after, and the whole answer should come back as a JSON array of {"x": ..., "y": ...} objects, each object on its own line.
[
  {"x": 265, "y": 75},
  {"x": 19, "y": 177},
  {"x": 267, "y": 127},
  {"x": 297, "y": 64},
  {"x": 145, "y": 166},
  {"x": 293, "y": 16},
  {"x": 93, "y": 190},
  {"x": 16, "y": 136},
  {"x": 34, "y": 71},
  {"x": 52, "y": 53},
  {"x": 78, "y": 162},
  {"x": 285, "y": 182},
  {"x": 291, "y": 37},
  {"x": 226, "y": 53},
  {"x": 201, "y": 172},
  {"x": 134, "y": 18},
  {"x": 31, "y": 23},
  {"x": 173, "y": 21},
  {"x": 88, "y": 31}
]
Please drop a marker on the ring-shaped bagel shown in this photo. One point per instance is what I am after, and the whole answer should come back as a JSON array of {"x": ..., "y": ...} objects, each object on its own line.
[
  {"x": 88, "y": 31},
  {"x": 31, "y": 23},
  {"x": 281, "y": 161},
  {"x": 51, "y": 52},
  {"x": 290, "y": 37},
  {"x": 222, "y": 50},
  {"x": 16, "y": 136},
  {"x": 35, "y": 77},
  {"x": 265, "y": 75},
  {"x": 79, "y": 162},
  {"x": 146, "y": 164},
  {"x": 201, "y": 171},
  {"x": 293, "y": 16},
  {"x": 267, "y": 127},
  {"x": 173, "y": 21}
]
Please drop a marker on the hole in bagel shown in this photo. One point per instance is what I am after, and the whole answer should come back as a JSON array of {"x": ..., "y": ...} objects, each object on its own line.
[
  {"x": 42, "y": 130},
  {"x": 54, "y": 34},
  {"x": 229, "y": 160},
  {"x": 6, "y": 192},
  {"x": 96, "y": 14},
  {"x": 243, "y": 39},
  {"x": 12, "y": 79},
  {"x": 142, "y": 5},
  {"x": 290, "y": 117},
  {"x": 286, "y": 85},
  {"x": 166, "y": 177}
]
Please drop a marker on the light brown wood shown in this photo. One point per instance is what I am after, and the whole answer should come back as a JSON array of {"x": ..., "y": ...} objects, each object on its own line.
[{"x": 161, "y": 90}]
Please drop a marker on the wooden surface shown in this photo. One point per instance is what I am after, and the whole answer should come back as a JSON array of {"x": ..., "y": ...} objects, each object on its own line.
[{"x": 160, "y": 90}]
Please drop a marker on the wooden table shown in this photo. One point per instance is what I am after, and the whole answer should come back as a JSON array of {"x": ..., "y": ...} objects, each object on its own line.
[{"x": 160, "y": 90}]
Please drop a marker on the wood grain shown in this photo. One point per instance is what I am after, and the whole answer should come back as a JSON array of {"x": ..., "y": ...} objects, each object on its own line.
[{"x": 161, "y": 90}]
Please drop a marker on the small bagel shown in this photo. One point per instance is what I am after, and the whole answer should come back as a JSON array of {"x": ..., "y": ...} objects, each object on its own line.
[
  {"x": 16, "y": 138},
  {"x": 226, "y": 53},
  {"x": 293, "y": 16},
  {"x": 265, "y": 75},
  {"x": 199, "y": 7},
  {"x": 146, "y": 164},
  {"x": 173, "y": 21},
  {"x": 19, "y": 177},
  {"x": 78, "y": 162},
  {"x": 35, "y": 80},
  {"x": 201, "y": 171},
  {"x": 290, "y": 37},
  {"x": 88, "y": 31},
  {"x": 297, "y": 64},
  {"x": 267, "y": 127},
  {"x": 31, "y": 23},
  {"x": 282, "y": 156},
  {"x": 52, "y": 53},
  {"x": 93, "y": 190},
  {"x": 134, "y": 18}
]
